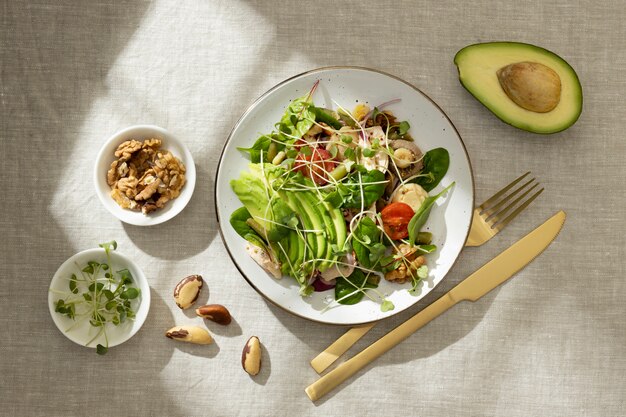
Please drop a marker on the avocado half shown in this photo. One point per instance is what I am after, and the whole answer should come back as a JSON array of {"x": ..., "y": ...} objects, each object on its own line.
[{"x": 478, "y": 67}]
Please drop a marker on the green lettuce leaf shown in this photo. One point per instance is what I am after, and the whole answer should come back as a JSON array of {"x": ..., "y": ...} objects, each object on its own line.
[{"x": 262, "y": 202}]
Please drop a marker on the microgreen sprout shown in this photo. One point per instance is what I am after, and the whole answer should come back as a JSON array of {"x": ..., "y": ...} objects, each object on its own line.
[{"x": 100, "y": 295}]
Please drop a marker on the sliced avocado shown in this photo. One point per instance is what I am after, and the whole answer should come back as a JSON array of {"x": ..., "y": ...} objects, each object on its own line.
[
  {"x": 479, "y": 65},
  {"x": 329, "y": 229},
  {"x": 309, "y": 218},
  {"x": 339, "y": 223},
  {"x": 296, "y": 253},
  {"x": 293, "y": 248},
  {"x": 317, "y": 222},
  {"x": 338, "y": 227},
  {"x": 315, "y": 216},
  {"x": 289, "y": 253}
]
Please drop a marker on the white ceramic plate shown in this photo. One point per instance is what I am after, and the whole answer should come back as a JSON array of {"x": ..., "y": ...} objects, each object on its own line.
[
  {"x": 449, "y": 220},
  {"x": 82, "y": 332},
  {"x": 169, "y": 142}
]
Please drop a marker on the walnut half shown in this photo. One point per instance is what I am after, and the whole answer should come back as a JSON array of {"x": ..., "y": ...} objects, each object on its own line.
[{"x": 408, "y": 268}]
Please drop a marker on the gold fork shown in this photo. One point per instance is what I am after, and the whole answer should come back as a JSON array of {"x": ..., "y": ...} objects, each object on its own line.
[{"x": 488, "y": 220}]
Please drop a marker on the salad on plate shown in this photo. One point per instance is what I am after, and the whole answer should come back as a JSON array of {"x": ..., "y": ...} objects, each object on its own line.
[{"x": 337, "y": 200}]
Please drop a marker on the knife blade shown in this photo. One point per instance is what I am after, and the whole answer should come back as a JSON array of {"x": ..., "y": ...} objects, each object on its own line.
[{"x": 485, "y": 279}]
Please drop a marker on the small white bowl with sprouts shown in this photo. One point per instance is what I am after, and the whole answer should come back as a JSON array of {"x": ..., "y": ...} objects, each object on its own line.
[{"x": 99, "y": 298}]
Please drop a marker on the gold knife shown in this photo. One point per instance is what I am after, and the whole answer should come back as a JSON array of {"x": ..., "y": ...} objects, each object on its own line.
[{"x": 485, "y": 279}]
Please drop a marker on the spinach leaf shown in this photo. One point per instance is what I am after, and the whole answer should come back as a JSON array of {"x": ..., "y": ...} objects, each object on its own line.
[
  {"x": 262, "y": 144},
  {"x": 297, "y": 120},
  {"x": 367, "y": 242},
  {"x": 352, "y": 287},
  {"x": 436, "y": 163},
  {"x": 350, "y": 190},
  {"x": 421, "y": 215},
  {"x": 238, "y": 222}
]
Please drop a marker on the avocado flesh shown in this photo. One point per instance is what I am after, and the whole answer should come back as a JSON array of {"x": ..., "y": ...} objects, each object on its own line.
[
  {"x": 307, "y": 223},
  {"x": 316, "y": 215},
  {"x": 321, "y": 223},
  {"x": 290, "y": 253},
  {"x": 295, "y": 249},
  {"x": 330, "y": 234},
  {"x": 478, "y": 65},
  {"x": 339, "y": 223}
]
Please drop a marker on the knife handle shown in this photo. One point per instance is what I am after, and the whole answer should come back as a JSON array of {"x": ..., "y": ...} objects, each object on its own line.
[{"x": 344, "y": 371}]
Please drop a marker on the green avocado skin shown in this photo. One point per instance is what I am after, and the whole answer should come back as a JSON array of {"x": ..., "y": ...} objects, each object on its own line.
[{"x": 485, "y": 94}]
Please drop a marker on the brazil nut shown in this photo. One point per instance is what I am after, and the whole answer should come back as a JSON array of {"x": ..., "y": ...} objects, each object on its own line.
[
  {"x": 215, "y": 312},
  {"x": 251, "y": 356},
  {"x": 190, "y": 334},
  {"x": 187, "y": 291}
]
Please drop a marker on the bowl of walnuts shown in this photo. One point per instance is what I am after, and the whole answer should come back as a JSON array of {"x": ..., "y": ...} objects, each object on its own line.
[{"x": 144, "y": 175}]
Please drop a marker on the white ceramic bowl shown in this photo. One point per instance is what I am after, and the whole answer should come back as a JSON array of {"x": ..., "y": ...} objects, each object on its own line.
[
  {"x": 82, "y": 332},
  {"x": 449, "y": 220},
  {"x": 106, "y": 157}
]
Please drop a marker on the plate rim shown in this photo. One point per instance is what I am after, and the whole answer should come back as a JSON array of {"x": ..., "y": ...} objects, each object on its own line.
[{"x": 255, "y": 103}]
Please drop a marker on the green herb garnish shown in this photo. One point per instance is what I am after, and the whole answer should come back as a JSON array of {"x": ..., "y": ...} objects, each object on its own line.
[{"x": 100, "y": 295}]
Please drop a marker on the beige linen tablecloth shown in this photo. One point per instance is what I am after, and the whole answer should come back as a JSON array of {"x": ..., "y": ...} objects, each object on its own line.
[{"x": 551, "y": 342}]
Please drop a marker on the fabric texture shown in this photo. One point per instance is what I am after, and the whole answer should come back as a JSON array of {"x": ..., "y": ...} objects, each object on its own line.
[{"x": 550, "y": 342}]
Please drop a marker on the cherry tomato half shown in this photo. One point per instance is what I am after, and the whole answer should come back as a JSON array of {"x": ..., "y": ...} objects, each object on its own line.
[
  {"x": 396, "y": 218},
  {"x": 315, "y": 165}
]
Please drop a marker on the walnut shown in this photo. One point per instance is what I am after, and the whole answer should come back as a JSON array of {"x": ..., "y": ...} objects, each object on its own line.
[
  {"x": 121, "y": 199},
  {"x": 160, "y": 203},
  {"x": 148, "y": 177},
  {"x": 177, "y": 182},
  {"x": 122, "y": 169},
  {"x": 408, "y": 251},
  {"x": 126, "y": 150},
  {"x": 141, "y": 159},
  {"x": 150, "y": 189},
  {"x": 148, "y": 208},
  {"x": 128, "y": 186},
  {"x": 145, "y": 177},
  {"x": 153, "y": 143},
  {"x": 112, "y": 176},
  {"x": 408, "y": 267}
]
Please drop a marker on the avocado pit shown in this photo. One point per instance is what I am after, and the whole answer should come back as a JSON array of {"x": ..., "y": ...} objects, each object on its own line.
[{"x": 531, "y": 85}]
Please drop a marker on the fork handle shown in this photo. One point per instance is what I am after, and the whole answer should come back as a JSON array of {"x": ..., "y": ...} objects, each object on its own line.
[
  {"x": 331, "y": 380},
  {"x": 339, "y": 347}
]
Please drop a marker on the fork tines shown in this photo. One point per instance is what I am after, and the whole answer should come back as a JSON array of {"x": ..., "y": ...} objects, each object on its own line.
[{"x": 493, "y": 211}]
